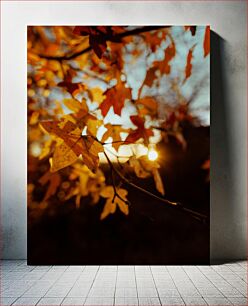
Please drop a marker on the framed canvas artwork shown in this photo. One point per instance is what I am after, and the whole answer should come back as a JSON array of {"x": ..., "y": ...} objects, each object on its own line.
[{"x": 118, "y": 144}]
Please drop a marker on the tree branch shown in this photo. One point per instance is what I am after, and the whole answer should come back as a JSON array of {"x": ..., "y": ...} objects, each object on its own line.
[
  {"x": 194, "y": 214},
  {"x": 114, "y": 39}
]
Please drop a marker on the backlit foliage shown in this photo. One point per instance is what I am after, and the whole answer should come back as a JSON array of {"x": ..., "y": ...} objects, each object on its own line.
[{"x": 97, "y": 95}]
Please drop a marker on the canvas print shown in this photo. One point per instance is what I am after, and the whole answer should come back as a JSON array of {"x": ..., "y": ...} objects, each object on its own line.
[{"x": 118, "y": 144}]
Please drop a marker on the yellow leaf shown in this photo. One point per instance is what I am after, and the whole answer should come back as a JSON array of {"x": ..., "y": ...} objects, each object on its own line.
[
  {"x": 63, "y": 156},
  {"x": 73, "y": 104},
  {"x": 74, "y": 145},
  {"x": 109, "y": 208},
  {"x": 93, "y": 125},
  {"x": 97, "y": 95},
  {"x": 158, "y": 181},
  {"x": 139, "y": 170},
  {"x": 110, "y": 205}
]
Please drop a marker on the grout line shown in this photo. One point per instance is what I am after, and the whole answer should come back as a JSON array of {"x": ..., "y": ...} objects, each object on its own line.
[
  {"x": 210, "y": 281},
  {"x": 230, "y": 283},
  {"x": 73, "y": 283},
  {"x": 155, "y": 285},
  {"x": 136, "y": 283},
  {"x": 91, "y": 284},
  {"x": 115, "y": 284},
  {"x": 176, "y": 286},
  {"x": 193, "y": 284}
]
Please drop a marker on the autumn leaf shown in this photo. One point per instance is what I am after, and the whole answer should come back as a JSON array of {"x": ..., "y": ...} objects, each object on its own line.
[
  {"x": 89, "y": 183},
  {"x": 114, "y": 131},
  {"x": 188, "y": 68},
  {"x": 54, "y": 180},
  {"x": 114, "y": 201},
  {"x": 143, "y": 168},
  {"x": 158, "y": 181},
  {"x": 163, "y": 66},
  {"x": 169, "y": 54},
  {"x": 98, "y": 36},
  {"x": 63, "y": 156},
  {"x": 154, "y": 39},
  {"x": 74, "y": 145},
  {"x": 206, "y": 43},
  {"x": 149, "y": 106},
  {"x": 68, "y": 84},
  {"x": 81, "y": 116},
  {"x": 115, "y": 97},
  {"x": 140, "y": 132},
  {"x": 191, "y": 28}
]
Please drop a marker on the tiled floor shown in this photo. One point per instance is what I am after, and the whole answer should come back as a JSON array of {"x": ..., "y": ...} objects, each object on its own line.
[{"x": 123, "y": 285}]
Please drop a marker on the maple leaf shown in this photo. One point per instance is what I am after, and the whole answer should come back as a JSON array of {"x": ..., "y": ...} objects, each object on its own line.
[
  {"x": 81, "y": 117},
  {"x": 143, "y": 168},
  {"x": 113, "y": 201},
  {"x": 155, "y": 39},
  {"x": 98, "y": 36},
  {"x": 140, "y": 132},
  {"x": 191, "y": 28},
  {"x": 163, "y": 66},
  {"x": 206, "y": 43},
  {"x": 54, "y": 180},
  {"x": 114, "y": 132},
  {"x": 73, "y": 146},
  {"x": 169, "y": 53},
  {"x": 115, "y": 97}
]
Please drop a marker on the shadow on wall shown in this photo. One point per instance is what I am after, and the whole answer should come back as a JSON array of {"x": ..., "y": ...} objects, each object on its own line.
[{"x": 224, "y": 229}]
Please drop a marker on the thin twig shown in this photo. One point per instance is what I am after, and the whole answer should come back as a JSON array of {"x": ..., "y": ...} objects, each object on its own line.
[{"x": 194, "y": 214}]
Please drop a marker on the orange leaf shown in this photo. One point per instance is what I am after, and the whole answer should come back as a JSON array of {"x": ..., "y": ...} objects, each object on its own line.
[
  {"x": 115, "y": 97},
  {"x": 188, "y": 68},
  {"x": 206, "y": 43},
  {"x": 140, "y": 132},
  {"x": 54, "y": 182}
]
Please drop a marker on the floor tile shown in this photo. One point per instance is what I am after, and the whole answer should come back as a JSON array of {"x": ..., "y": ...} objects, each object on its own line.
[
  {"x": 50, "y": 301},
  {"x": 239, "y": 301},
  {"x": 26, "y": 301},
  {"x": 166, "y": 301},
  {"x": 194, "y": 301},
  {"x": 126, "y": 292},
  {"x": 217, "y": 301},
  {"x": 149, "y": 301},
  {"x": 99, "y": 301},
  {"x": 73, "y": 301},
  {"x": 4, "y": 301},
  {"x": 123, "y": 301}
]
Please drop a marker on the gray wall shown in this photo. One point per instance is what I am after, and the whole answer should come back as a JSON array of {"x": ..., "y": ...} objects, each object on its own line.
[{"x": 228, "y": 106}]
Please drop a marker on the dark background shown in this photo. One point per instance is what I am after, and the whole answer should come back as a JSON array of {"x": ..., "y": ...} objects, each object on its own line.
[{"x": 152, "y": 233}]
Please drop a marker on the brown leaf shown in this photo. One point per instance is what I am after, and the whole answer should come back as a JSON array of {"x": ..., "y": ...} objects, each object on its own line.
[{"x": 140, "y": 132}]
